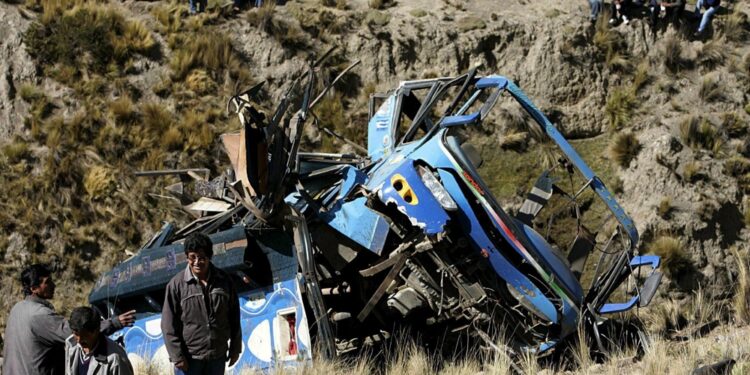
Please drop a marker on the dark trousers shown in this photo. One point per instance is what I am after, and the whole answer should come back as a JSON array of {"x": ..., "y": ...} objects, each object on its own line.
[{"x": 203, "y": 367}]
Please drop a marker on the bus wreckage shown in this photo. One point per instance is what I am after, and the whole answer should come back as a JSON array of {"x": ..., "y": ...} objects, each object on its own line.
[{"x": 334, "y": 252}]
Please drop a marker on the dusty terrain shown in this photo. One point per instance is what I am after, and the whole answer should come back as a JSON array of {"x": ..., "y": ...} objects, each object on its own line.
[{"x": 74, "y": 128}]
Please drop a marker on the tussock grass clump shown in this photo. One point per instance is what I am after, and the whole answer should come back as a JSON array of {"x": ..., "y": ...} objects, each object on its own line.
[
  {"x": 671, "y": 250},
  {"x": 418, "y": 13},
  {"x": 713, "y": 54},
  {"x": 156, "y": 118},
  {"x": 620, "y": 106},
  {"x": 31, "y": 93},
  {"x": 199, "y": 82},
  {"x": 210, "y": 51},
  {"x": 612, "y": 46},
  {"x": 263, "y": 16},
  {"x": 170, "y": 17},
  {"x": 99, "y": 182},
  {"x": 16, "y": 150},
  {"x": 700, "y": 134},
  {"x": 624, "y": 149},
  {"x": 691, "y": 171},
  {"x": 641, "y": 77},
  {"x": 736, "y": 26},
  {"x": 736, "y": 166},
  {"x": 87, "y": 37},
  {"x": 672, "y": 55},
  {"x": 665, "y": 208},
  {"x": 733, "y": 124},
  {"x": 741, "y": 302},
  {"x": 123, "y": 111},
  {"x": 711, "y": 89}
]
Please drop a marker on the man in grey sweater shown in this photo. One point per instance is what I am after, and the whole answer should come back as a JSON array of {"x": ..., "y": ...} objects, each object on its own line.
[{"x": 35, "y": 334}]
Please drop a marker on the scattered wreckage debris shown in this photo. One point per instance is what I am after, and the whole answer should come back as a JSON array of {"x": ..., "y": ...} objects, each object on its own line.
[{"x": 344, "y": 249}]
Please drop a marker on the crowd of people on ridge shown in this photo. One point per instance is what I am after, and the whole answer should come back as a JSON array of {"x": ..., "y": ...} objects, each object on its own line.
[{"x": 669, "y": 11}]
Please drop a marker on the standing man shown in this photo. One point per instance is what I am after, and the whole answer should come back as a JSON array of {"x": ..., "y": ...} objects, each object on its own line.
[
  {"x": 35, "y": 334},
  {"x": 201, "y": 314},
  {"x": 88, "y": 352}
]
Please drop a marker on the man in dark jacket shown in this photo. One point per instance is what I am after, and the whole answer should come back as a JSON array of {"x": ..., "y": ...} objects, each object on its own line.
[
  {"x": 35, "y": 334},
  {"x": 201, "y": 314},
  {"x": 89, "y": 352}
]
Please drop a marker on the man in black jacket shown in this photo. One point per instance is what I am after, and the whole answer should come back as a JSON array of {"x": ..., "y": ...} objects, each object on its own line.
[{"x": 201, "y": 314}]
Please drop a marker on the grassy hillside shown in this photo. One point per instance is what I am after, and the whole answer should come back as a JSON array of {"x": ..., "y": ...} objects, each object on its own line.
[{"x": 127, "y": 86}]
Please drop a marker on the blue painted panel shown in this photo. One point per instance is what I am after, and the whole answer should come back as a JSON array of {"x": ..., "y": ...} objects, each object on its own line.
[
  {"x": 380, "y": 130},
  {"x": 355, "y": 220},
  {"x": 554, "y": 263},
  {"x": 469, "y": 119},
  {"x": 492, "y": 81},
  {"x": 426, "y": 212},
  {"x": 610, "y": 308},
  {"x": 642, "y": 260},
  {"x": 263, "y": 340},
  {"x": 504, "y": 269}
]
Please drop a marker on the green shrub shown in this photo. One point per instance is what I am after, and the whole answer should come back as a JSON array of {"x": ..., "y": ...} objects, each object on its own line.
[
  {"x": 624, "y": 149},
  {"x": 620, "y": 106}
]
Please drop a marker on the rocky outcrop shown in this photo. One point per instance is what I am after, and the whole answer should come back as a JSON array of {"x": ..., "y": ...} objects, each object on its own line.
[{"x": 16, "y": 66}]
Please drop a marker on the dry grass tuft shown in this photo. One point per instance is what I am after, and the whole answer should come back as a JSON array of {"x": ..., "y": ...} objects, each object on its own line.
[
  {"x": 87, "y": 37},
  {"x": 665, "y": 208},
  {"x": 99, "y": 182},
  {"x": 620, "y": 106},
  {"x": 741, "y": 302},
  {"x": 691, "y": 171},
  {"x": 700, "y": 134},
  {"x": 624, "y": 149},
  {"x": 711, "y": 89},
  {"x": 31, "y": 93},
  {"x": 641, "y": 77},
  {"x": 713, "y": 54},
  {"x": 123, "y": 111},
  {"x": 200, "y": 82},
  {"x": 209, "y": 51},
  {"x": 736, "y": 166},
  {"x": 671, "y": 250},
  {"x": 733, "y": 125},
  {"x": 736, "y": 26},
  {"x": 672, "y": 55}
]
